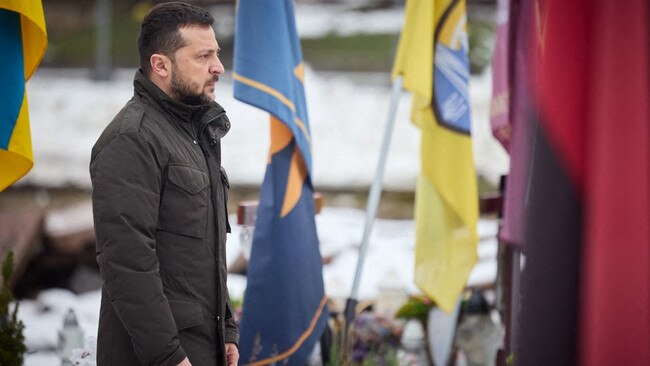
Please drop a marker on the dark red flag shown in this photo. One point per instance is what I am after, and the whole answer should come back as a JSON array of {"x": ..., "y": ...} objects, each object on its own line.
[{"x": 592, "y": 91}]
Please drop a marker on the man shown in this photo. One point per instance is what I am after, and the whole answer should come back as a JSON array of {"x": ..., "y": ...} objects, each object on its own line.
[{"x": 159, "y": 202}]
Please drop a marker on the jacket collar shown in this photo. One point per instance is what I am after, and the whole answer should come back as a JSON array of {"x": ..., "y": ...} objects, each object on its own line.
[{"x": 154, "y": 96}]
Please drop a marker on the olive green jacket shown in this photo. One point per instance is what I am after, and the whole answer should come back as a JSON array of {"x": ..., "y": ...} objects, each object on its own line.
[{"x": 159, "y": 204}]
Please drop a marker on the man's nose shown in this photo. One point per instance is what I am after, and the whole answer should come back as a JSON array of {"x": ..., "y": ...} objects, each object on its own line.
[{"x": 217, "y": 67}]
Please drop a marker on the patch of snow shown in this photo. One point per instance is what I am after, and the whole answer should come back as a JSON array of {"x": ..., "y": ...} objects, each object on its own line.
[{"x": 317, "y": 20}]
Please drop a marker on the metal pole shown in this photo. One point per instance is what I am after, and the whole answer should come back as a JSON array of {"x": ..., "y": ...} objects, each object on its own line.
[
  {"x": 103, "y": 19},
  {"x": 373, "y": 199}
]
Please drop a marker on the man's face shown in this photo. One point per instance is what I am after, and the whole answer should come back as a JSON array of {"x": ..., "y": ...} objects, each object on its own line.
[{"x": 196, "y": 67}]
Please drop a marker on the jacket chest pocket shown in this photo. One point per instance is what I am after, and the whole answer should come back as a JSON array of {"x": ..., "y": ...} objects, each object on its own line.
[{"x": 184, "y": 203}]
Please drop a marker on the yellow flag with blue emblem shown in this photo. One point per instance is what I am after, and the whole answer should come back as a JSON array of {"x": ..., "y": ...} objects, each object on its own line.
[
  {"x": 432, "y": 59},
  {"x": 23, "y": 40}
]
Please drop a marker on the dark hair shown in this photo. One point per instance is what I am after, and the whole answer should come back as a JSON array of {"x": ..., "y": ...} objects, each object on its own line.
[{"x": 160, "y": 33}]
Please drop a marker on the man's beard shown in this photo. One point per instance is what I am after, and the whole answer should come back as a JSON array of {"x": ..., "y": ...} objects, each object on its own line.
[{"x": 183, "y": 92}]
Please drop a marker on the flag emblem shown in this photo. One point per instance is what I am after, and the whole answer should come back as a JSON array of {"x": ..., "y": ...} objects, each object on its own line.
[{"x": 450, "y": 101}]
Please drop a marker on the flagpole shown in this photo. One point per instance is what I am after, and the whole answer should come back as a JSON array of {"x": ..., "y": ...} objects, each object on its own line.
[{"x": 373, "y": 201}]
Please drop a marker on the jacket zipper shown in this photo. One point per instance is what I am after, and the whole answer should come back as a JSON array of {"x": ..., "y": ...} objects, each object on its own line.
[
  {"x": 207, "y": 164},
  {"x": 219, "y": 317}
]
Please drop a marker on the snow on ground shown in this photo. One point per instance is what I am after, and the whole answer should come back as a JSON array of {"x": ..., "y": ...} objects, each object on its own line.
[
  {"x": 312, "y": 21},
  {"x": 317, "y": 20},
  {"x": 388, "y": 272}
]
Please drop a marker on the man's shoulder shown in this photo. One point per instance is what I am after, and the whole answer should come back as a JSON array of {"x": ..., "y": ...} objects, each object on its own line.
[
  {"x": 128, "y": 120},
  {"x": 134, "y": 117},
  {"x": 130, "y": 117}
]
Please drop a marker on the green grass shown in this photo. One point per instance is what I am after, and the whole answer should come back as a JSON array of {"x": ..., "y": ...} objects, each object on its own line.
[
  {"x": 77, "y": 49},
  {"x": 361, "y": 52},
  {"x": 365, "y": 52}
]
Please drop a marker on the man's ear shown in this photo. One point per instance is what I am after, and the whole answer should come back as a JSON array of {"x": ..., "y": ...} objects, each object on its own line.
[{"x": 160, "y": 65}]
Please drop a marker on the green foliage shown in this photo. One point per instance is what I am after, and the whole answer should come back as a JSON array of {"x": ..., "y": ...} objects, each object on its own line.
[
  {"x": 416, "y": 307},
  {"x": 236, "y": 303},
  {"x": 510, "y": 360},
  {"x": 480, "y": 34},
  {"x": 382, "y": 357},
  {"x": 335, "y": 355},
  {"x": 12, "y": 341},
  {"x": 378, "y": 358}
]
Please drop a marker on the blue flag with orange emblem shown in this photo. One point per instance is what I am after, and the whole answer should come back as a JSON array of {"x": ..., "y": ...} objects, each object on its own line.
[
  {"x": 285, "y": 309},
  {"x": 23, "y": 40}
]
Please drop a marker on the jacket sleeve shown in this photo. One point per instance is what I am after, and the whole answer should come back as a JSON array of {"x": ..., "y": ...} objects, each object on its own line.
[
  {"x": 231, "y": 332},
  {"x": 126, "y": 190}
]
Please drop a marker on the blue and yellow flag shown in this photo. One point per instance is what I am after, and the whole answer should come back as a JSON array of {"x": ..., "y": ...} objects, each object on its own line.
[
  {"x": 432, "y": 59},
  {"x": 285, "y": 309},
  {"x": 23, "y": 40}
]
